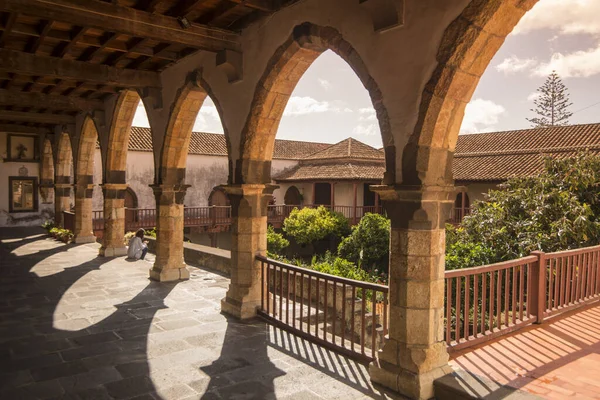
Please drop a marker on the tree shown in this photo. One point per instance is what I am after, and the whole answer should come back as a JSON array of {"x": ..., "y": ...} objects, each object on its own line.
[
  {"x": 552, "y": 105},
  {"x": 311, "y": 224},
  {"x": 557, "y": 210},
  {"x": 368, "y": 245}
]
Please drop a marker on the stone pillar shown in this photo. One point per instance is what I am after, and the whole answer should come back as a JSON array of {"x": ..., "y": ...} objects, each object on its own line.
[
  {"x": 248, "y": 239},
  {"x": 113, "y": 239},
  {"x": 47, "y": 191},
  {"x": 62, "y": 201},
  {"x": 414, "y": 353},
  {"x": 169, "y": 264},
  {"x": 84, "y": 228}
]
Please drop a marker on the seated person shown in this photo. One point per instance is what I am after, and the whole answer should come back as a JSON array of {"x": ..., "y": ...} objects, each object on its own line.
[{"x": 137, "y": 248}]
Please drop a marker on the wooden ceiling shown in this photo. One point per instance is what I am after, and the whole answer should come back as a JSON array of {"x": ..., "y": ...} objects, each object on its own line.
[{"x": 58, "y": 57}]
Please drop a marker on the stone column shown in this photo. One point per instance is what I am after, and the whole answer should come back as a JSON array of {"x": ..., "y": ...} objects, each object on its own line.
[
  {"x": 414, "y": 352},
  {"x": 62, "y": 201},
  {"x": 47, "y": 191},
  {"x": 169, "y": 264},
  {"x": 84, "y": 228},
  {"x": 113, "y": 239},
  {"x": 248, "y": 239}
]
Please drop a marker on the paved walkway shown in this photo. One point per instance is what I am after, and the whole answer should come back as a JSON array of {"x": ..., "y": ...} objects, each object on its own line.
[
  {"x": 76, "y": 326},
  {"x": 559, "y": 359}
]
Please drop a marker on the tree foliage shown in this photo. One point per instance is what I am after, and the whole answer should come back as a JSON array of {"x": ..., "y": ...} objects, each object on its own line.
[
  {"x": 311, "y": 224},
  {"x": 369, "y": 243},
  {"x": 558, "y": 210},
  {"x": 275, "y": 241},
  {"x": 552, "y": 105}
]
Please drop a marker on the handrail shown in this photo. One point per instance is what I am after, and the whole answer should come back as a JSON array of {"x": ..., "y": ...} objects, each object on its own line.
[
  {"x": 489, "y": 268},
  {"x": 333, "y": 278}
]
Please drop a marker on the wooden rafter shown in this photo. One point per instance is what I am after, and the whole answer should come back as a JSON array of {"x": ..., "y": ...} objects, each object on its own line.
[
  {"x": 46, "y": 26},
  {"x": 128, "y": 21},
  {"x": 12, "y": 18},
  {"x": 64, "y": 48},
  {"x": 28, "y": 64},
  {"x": 15, "y": 128},
  {"x": 42, "y": 118}
]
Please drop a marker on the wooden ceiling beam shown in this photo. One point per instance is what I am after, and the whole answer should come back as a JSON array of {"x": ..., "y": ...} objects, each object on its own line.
[
  {"x": 128, "y": 21},
  {"x": 46, "y": 26},
  {"x": 29, "y": 64},
  {"x": 69, "y": 103},
  {"x": 183, "y": 8},
  {"x": 42, "y": 118},
  {"x": 15, "y": 128},
  {"x": 12, "y": 18},
  {"x": 64, "y": 48}
]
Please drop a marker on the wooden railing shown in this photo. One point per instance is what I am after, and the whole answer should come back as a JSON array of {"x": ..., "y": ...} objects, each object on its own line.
[
  {"x": 214, "y": 216},
  {"x": 346, "y": 315},
  {"x": 488, "y": 301},
  {"x": 572, "y": 279}
]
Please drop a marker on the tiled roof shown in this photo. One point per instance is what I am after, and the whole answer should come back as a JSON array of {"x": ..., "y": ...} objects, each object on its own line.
[
  {"x": 333, "y": 171},
  {"x": 501, "y": 155},
  {"x": 348, "y": 148},
  {"x": 214, "y": 144}
]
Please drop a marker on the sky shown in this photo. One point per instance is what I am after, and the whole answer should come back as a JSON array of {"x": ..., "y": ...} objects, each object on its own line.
[{"x": 330, "y": 103}]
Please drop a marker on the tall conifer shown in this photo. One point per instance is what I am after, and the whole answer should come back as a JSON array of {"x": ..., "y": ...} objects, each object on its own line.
[{"x": 552, "y": 105}]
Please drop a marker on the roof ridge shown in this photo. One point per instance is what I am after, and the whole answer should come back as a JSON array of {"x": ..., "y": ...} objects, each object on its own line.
[
  {"x": 562, "y": 149},
  {"x": 529, "y": 129}
]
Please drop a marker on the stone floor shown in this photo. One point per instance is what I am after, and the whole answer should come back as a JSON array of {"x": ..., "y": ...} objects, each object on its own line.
[
  {"x": 557, "y": 360},
  {"x": 76, "y": 326}
]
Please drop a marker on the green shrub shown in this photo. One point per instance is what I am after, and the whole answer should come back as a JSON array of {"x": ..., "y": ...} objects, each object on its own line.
[
  {"x": 311, "y": 224},
  {"x": 275, "y": 241},
  {"x": 369, "y": 244},
  {"x": 64, "y": 235},
  {"x": 557, "y": 210},
  {"x": 339, "y": 267}
]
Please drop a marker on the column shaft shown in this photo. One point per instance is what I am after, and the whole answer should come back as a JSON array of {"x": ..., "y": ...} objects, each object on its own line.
[
  {"x": 84, "y": 229},
  {"x": 169, "y": 264},
  {"x": 414, "y": 353},
  {"x": 113, "y": 239},
  {"x": 62, "y": 202},
  {"x": 249, "y": 239}
]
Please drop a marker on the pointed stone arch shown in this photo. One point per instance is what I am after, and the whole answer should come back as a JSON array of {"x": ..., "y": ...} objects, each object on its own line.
[
  {"x": 84, "y": 181},
  {"x": 466, "y": 49},
  {"x": 288, "y": 64},
  {"x": 63, "y": 177}
]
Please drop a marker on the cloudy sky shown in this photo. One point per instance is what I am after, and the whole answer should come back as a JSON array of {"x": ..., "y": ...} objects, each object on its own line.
[{"x": 330, "y": 103}]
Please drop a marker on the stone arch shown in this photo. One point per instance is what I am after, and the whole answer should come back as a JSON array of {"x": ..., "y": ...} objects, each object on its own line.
[
  {"x": 64, "y": 160},
  {"x": 47, "y": 172},
  {"x": 284, "y": 70},
  {"x": 118, "y": 137},
  {"x": 88, "y": 140},
  {"x": 175, "y": 147},
  {"x": 467, "y": 47}
]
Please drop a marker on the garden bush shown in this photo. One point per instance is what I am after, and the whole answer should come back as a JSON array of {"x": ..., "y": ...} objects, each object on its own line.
[
  {"x": 369, "y": 243},
  {"x": 64, "y": 235},
  {"x": 312, "y": 224},
  {"x": 275, "y": 241},
  {"x": 557, "y": 210}
]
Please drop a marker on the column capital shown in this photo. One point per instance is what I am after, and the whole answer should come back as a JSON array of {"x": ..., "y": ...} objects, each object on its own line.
[
  {"x": 414, "y": 193},
  {"x": 169, "y": 194},
  {"x": 114, "y": 190},
  {"x": 114, "y": 186}
]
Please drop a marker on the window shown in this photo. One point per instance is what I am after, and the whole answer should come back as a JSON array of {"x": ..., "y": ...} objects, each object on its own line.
[{"x": 23, "y": 194}]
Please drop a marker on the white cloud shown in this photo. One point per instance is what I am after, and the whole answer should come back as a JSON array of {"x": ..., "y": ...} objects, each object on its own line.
[
  {"x": 366, "y": 130},
  {"x": 580, "y": 64},
  {"x": 141, "y": 118},
  {"x": 208, "y": 119},
  {"x": 367, "y": 114},
  {"x": 305, "y": 105},
  {"x": 481, "y": 116},
  {"x": 325, "y": 84},
  {"x": 566, "y": 16},
  {"x": 515, "y": 64},
  {"x": 368, "y": 125}
]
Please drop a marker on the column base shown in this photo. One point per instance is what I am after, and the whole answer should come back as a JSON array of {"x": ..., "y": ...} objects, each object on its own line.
[
  {"x": 407, "y": 383},
  {"x": 170, "y": 274},
  {"x": 84, "y": 239},
  {"x": 113, "y": 251},
  {"x": 239, "y": 310}
]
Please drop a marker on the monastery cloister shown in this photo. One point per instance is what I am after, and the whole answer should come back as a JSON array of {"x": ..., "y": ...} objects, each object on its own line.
[{"x": 74, "y": 72}]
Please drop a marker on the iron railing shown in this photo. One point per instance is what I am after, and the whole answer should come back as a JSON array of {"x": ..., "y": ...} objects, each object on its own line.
[{"x": 346, "y": 315}]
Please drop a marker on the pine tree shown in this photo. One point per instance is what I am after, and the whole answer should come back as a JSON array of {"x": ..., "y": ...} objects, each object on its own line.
[{"x": 552, "y": 105}]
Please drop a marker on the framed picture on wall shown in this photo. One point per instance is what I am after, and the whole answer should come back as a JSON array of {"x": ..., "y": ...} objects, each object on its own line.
[
  {"x": 23, "y": 194},
  {"x": 22, "y": 148}
]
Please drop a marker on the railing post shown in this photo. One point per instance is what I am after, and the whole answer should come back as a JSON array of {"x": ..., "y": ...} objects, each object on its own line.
[
  {"x": 213, "y": 211},
  {"x": 538, "y": 287}
]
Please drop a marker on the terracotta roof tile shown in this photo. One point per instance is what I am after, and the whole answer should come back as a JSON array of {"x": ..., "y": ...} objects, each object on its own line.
[
  {"x": 348, "y": 148},
  {"x": 501, "y": 155},
  {"x": 335, "y": 171},
  {"x": 214, "y": 144}
]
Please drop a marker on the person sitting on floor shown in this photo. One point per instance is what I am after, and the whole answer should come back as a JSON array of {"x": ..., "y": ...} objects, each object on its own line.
[{"x": 137, "y": 247}]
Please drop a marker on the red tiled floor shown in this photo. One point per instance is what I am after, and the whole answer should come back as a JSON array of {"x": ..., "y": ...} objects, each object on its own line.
[{"x": 556, "y": 360}]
